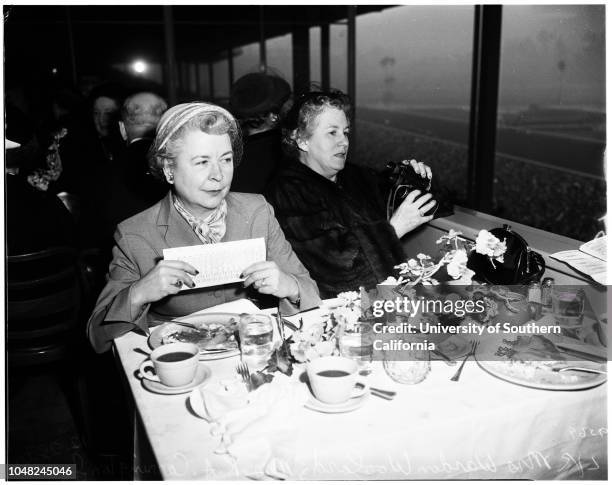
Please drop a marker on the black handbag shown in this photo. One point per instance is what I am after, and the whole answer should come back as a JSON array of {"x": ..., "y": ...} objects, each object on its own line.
[
  {"x": 400, "y": 179},
  {"x": 521, "y": 265}
]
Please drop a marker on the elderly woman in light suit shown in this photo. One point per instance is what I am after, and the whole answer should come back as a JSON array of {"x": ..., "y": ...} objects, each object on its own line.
[{"x": 196, "y": 148}]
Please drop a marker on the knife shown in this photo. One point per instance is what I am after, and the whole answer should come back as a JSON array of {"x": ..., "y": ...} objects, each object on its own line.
[{"x": 581, "y": 354}]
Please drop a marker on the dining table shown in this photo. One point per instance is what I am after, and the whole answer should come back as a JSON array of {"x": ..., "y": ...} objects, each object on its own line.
[{"x": 479, "y": 427}]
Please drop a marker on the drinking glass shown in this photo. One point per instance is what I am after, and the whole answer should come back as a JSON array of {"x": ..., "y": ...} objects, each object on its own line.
[
  {"x": 407, "y": 366},
  {"x": 356, "y": 343},
  {"x": 256, "y": 340},
  {"x": 568, "y": 307}
]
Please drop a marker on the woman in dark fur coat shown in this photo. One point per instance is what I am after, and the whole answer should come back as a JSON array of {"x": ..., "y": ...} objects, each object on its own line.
[{"x": 332, "y": 212}]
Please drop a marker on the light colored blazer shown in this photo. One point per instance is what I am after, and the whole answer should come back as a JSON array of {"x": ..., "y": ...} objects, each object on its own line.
[{"x": 140, "y": 241}]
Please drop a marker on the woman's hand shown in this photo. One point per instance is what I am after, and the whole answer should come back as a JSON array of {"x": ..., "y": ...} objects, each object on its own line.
[
  {"x": 421, "y": 169},
  {"x": 409, "y": 215},
  {"x": 266, "y": 277},
  {"x": 166, "y": 278}
]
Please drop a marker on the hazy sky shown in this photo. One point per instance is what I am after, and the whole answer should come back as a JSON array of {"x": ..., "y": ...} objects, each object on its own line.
[
  {"x": 429, "y": 54},
  {"x": 431, "y": 47}
]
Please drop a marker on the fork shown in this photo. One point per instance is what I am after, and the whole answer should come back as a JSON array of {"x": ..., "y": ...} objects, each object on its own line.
[
  {"x": 474, "y": 343},
  {"x": 176, "y": 322},
  {"x": 577, "y": 368},
  {"x": 243, "y": 370}
]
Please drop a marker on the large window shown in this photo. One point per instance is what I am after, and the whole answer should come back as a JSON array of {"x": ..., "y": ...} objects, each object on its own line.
[
  {"x": 551, "y": 118},
  {"x": 279, "y": 58},
  {"x": 315, "y": 55},
  {"x": 338, "y": 56},
  {"x": 246, "y": 59},
  {"x": 413, "y": 90},
  {"x": 221, "y": 80}
]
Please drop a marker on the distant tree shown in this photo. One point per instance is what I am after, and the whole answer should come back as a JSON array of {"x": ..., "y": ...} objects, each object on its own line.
[
  {"x": 387, "y": 63},
  {"x": 561, "y": 67}
]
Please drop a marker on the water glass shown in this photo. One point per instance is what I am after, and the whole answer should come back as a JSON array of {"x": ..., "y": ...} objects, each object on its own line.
[
  {"x": 407, "y": 366},
  {"x": 256, "y": 340},
  {"x": 357, "y": 343},
  {"x": 568, "y": 307}
]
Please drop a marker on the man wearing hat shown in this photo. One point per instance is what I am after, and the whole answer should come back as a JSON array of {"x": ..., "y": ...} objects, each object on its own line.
[{"x": 256, "y": 99}]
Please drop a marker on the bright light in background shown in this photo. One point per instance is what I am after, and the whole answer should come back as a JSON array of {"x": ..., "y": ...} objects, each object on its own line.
[
  {"x": 139, "y": 67},
  {"x": 54, "y": 70}
]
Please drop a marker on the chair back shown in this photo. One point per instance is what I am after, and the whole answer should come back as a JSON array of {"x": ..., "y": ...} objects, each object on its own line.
[{"x": 43, "y": 302}]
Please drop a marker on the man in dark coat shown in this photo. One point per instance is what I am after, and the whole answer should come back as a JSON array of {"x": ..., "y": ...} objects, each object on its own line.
[{"x": 126, "y": 187}]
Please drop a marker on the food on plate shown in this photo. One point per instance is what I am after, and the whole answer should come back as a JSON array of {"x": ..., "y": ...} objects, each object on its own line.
[
  {"x": 454, "y": 347},
  {"x": 531, "y": 359},
  {"x": 208, "y": 337},
  {"x": 529, "y": 348}
]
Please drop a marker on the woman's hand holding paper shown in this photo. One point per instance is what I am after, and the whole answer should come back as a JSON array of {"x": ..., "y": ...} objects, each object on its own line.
[
  {"x": 266, "y": 277},
  {"x": 166, "y": 278}
]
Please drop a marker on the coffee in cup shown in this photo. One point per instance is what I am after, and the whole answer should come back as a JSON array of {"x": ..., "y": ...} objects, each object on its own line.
[
  {"x": 333, "y": 379},
  {"x": 172, "y": 365}
]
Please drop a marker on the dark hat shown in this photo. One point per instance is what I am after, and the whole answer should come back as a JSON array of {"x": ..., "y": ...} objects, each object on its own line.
[{"x": 258, "y": 94}]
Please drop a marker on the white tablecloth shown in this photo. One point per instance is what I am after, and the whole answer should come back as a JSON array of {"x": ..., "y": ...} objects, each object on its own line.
[{"x": 479, "y": 427}]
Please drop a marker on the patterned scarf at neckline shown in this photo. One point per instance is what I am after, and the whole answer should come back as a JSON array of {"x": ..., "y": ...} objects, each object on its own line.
[{"x": 209, "y": 230}]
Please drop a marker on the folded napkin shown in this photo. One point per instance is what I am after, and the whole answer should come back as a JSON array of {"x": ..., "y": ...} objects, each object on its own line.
[{"x": 257, "y": 429}]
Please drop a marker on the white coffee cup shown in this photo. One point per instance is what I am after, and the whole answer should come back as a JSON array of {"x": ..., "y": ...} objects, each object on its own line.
[
  {"x": 173, "y": 365},
  {"x": 333, "y": 380}
]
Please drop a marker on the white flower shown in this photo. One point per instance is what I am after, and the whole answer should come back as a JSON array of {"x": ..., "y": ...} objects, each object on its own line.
[
  {"x": 422, "y": 256},
  {"x": 489, "y": 245},
  {"x": 403, "y": 268},
  {"x": 349, "y": 296},
  {"x": 392, "y": 281},
  {"x": 414, "y": 267},
  {"x": 298, "y": 350},
  {"x": 466, "y": 278},
  {"x": 325, "y": 348},
  {"x": 457, "y": 264},
  {"x": 347, "y": 316},
  {"x": 452, "y": 235},
  {"x": 313, "y": 333}
]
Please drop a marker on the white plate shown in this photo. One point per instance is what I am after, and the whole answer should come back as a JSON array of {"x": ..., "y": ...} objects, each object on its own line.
[
  {"x": 158, "y": 333},
  {"x": 354, "y": 403},
  {"x": 202, "y": 375},
  {"x": 536, "y": 374}
]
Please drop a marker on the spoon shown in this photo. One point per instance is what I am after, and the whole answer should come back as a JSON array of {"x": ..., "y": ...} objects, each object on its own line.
[{"x": 389, "y": 395}]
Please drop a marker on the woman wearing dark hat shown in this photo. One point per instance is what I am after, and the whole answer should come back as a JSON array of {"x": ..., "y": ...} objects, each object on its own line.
[{"x": 256, "y": 100}]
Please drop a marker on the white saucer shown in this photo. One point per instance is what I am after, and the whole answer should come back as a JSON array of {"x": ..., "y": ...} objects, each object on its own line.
[
  {"x": 202, "y": 375},
  {"x": 354, "y": 403}
]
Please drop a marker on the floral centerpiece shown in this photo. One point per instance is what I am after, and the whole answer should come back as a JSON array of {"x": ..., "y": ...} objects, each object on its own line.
[
  {"x": 318, "y": 339},
  {"x": 452, "y": 266}
]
